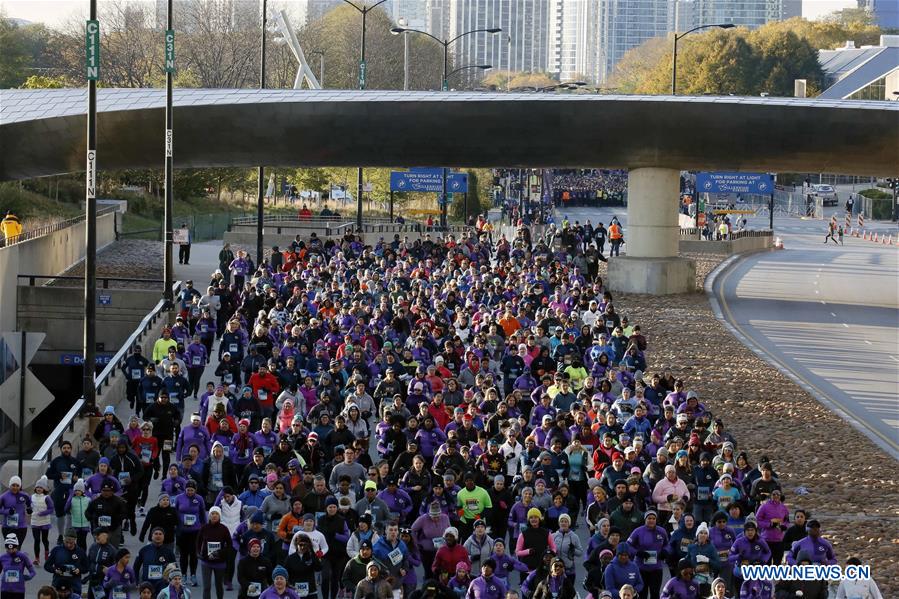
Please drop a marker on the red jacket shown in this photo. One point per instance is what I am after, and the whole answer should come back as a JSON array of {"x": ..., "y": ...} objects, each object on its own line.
[
  {"x": 267, "y": 382},
  {"x": 447, "y": 557}
]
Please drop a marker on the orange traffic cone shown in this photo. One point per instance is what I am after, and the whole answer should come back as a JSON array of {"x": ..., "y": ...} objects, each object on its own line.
[
  {"x": 875, "y": 238},
  {"x": 865, "y": 237}
]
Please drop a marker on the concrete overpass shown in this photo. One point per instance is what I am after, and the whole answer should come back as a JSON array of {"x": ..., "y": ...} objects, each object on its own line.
[{"x": 654, "y": 136}]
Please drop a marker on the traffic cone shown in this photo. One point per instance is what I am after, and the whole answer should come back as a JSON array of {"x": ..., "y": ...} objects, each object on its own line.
[
  {"x": 778, "y": 244},
  {"x": 875, "y": 238}
]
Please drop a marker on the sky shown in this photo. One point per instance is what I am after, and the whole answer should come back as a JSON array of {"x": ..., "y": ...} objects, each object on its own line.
[{"x": 54, "y": 13}]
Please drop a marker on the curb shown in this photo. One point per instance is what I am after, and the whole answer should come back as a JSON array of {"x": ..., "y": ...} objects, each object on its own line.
[{"x": 814, "y": 392}]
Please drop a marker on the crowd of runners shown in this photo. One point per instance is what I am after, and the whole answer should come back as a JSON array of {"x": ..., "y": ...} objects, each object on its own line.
[{"x": 444, "y": 417}]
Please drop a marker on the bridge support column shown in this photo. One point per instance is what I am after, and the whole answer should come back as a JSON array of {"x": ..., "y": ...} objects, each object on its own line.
[{"x": 652, "y": 265}]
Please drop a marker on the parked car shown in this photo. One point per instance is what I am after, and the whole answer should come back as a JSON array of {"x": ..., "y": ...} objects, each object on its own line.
[{"x": 827, "y": 194}]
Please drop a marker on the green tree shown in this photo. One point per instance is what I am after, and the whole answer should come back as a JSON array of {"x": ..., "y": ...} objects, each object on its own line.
[
  {"x": 45, "y": 82},
  {"x": 338, "y": 34},
  {"x": 14, "y": 56}
]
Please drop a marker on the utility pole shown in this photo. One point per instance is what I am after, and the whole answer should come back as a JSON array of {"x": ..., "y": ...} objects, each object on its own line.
[
  {"x": 88, "y": 387},
  {"x": 168, "y": 268},
  {"x": 260, "y": 191}
]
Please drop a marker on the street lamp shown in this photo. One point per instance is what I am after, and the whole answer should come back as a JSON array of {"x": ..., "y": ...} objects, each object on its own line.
[
  {"x": 446, "y": 44},
  {"x": 364, "y": 10},
  {"x": 483, "y": 67},
  {"x": 321, "y": 66},
  {"x": 677, "y": 36}
]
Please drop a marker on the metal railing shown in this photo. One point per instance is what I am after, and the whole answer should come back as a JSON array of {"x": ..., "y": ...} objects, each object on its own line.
[
  {"x": 45, "y": 452},
  {"x": 293, "y": 219},
  {"x": 694, "y": 231},
  {"x": 104, "y": 281},
  {"x": 57, "y": 226}
]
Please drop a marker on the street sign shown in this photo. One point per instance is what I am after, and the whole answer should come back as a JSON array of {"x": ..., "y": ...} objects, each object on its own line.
[
  {"x": 104, "y": 300},
  {"x": 367, "y": 187},
  {"x": 760, "y": 183},
  {"x": 428, "y": 180},
  {"x": 457, "y": 182},
  {"x": 78, "y": 359},
  {"x": 362, "y": 74},
  {"x": 92, "y": 50},
  {"x": 37, "y": 397},
  {"x": 169, "y": 50}
]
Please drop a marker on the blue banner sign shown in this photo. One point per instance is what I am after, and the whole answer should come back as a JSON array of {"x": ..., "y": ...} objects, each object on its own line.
[
  {"x": 78, "y": 359},
  {"x": 759, "y": 183},
  {"x": 428, "y": 180}
]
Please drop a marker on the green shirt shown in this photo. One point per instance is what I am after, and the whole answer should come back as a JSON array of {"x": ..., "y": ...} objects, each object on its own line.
[{"x": 473, "y": 503}]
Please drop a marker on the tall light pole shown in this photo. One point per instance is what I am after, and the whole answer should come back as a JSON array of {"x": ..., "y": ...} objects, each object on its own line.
[
  {"x": 364, "y": 10},
  {"x": 321, "y": 66},
  {"x": 677, "y": 36},
  {"x": 445, "y": 84},
  {"x": 260, "y": 189},
  {"x": 92, "y": 44},
  {"x": 402, "y": 23},
  {"x": 168, "y": 268}
]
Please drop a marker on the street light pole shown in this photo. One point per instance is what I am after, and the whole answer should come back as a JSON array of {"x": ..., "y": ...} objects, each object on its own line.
[
  {"x": 88, "y": 387},
  {"x": 364, "y": 10},
  {"x": 677, "y": 37},
  {"x": 261, "y": 175},
  {"x": 168, "y": 268}
]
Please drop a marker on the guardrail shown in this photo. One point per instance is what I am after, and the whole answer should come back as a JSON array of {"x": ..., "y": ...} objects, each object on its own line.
[
  {"x": 693, "y": 231},
  {"x": 45, "y": 452},
  {"x": 312, "y": 221},
  {"x": 58, "y": 226},
  {"x": 32, "y": 279}
]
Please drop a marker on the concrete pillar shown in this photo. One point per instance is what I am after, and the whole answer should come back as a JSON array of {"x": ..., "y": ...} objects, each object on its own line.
[
  {"x": 651, "y": 264},
  {"x": 652, "y": 227}
]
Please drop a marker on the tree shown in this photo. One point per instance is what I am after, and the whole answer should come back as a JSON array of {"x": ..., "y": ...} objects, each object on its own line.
[
  {"x": 512, "y": 80},
  {"x": 14, "y": 57},
  {"x": 221, "y": 42},
  {"x": 338, "y": 34},
  {"x": 44, "y": 82},
  {"x": 735, "y": 61}
]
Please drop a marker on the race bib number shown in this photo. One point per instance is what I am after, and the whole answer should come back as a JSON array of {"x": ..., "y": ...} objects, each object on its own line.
[
  {"x": 254, "y": 589},
  {"x": 11, "y": 576},
  {"x": 146, "y": 454},
  {"x": 86, "y": 473},
  {"x": 438, "y": 542},
  {"x": 702, "y": 493},
  {"x": 123, "y": 477},
  {"x": 472, "y": 505},
  {"x": 136, "y": 374},
  {"x": 227, "y": 450},
  {"x": 724, "y": 501},
  {"x": 189, "y": 519},
  {"x": 150, "y": 397},
  {"x": 217, "y": 479},
  {"x": 167, "y": 446},
  {"x": 302, "y": 589},
  {"x": 263, "y": 395},
  {"x": 651, "y": 558},
  {"x": 65, "y": 478},
  {"x": 396, "y": 556},
  {"x": 119, "y": 594},
  {"x": 266, "y": 450},
  {"x": 195, "y": 360},
  {"x": 213, "y": 548},
  {"x": 204, "y": 328},
  {"x": 723, "y": 554},
  {"x": 154, "y": 572},
  {"x": 105, "y": 521},
  {"x": 228, "y": 378},
  {"x": 232, "y": 348}
]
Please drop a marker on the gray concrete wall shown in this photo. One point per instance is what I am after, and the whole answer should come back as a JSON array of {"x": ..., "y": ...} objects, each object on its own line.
[
  {"x": 58, "y": 312},
  {"x": 50, "y": 254},
  {"x": 737, "y": 246}
]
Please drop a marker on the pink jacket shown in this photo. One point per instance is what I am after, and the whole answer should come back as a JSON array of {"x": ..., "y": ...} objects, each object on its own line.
[{"x": 664, "y": 488}]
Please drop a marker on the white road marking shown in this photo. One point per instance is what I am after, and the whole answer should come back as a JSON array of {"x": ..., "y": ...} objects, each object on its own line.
[
  {"x": 868, "y": 342},
  {"x": 833, "y": 314},
  {"x": 845, "y": 325}
]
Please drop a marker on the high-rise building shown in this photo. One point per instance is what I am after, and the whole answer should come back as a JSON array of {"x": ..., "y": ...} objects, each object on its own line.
[
  {"x": 886, "y": 12},
  {"x": 686, "y": 14},
  {"x": 625, "y": 24},
  {"x": 573, "y": 40},
  {"x": 415, "y": 12},
  {"x": 316, "y": 9},
  {"x": 522, "y": 45}
]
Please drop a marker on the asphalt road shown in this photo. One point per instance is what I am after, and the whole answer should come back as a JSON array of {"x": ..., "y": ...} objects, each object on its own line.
[{"x": 827, "y": 315}]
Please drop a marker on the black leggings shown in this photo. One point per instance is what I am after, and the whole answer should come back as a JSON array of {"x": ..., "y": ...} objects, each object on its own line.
[
  {"x": 40, "y": 534},
  {"x": 145, "y": 485},
  {"x": 187, "y": 551}
]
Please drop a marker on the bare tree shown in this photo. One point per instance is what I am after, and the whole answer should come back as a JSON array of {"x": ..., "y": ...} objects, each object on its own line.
[{"x": 221, "y": 42}]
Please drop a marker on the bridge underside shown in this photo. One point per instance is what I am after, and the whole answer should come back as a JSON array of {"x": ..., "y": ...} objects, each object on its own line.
[{"x": 654, "y": 136}]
